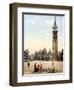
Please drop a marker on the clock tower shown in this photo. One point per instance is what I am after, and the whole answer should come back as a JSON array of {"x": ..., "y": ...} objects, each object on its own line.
[{"x": 55, "y": 40}]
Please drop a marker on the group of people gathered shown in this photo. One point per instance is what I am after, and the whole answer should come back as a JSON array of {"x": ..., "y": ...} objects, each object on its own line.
[{"x": 37, "y": 68}]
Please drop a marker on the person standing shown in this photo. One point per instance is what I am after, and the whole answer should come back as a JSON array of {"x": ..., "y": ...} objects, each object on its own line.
[
  {"x": 53, "y": 67},
  {"x": 28, "y": 64},
  {"x": 40, "y": 68}
]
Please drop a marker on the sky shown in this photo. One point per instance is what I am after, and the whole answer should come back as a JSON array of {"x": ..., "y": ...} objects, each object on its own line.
[{"x": 38, "y": 32}]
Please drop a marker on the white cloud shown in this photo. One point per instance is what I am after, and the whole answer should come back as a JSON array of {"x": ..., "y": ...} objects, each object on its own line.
[{"x": 32, "y": 22}]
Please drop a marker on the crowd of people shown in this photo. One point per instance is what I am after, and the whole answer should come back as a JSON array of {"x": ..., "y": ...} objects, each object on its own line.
[{"x": 37, "y": 67}]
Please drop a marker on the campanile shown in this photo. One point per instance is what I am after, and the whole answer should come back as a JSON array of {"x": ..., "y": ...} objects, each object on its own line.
[{"x": 55, "y": 40}]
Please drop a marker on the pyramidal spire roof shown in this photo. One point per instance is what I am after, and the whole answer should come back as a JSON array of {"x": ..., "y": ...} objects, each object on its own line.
[
  {"x": 55, "y": 21},
  {"x": 55, "y": 25}
]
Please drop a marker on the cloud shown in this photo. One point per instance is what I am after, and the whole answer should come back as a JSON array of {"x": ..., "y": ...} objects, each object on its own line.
[{"x": 31, "y": 22}]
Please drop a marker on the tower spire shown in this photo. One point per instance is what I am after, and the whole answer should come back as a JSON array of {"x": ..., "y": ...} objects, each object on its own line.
[
  {"x": 55, "y": 40},
  {"x": 55, "y": 25},
  {"x": 55, "y": 21}
]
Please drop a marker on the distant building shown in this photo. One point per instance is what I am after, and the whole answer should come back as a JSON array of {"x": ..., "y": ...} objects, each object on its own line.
[
  {"x": 42, "y": 55},
  {"x": 32, "y": 57}
]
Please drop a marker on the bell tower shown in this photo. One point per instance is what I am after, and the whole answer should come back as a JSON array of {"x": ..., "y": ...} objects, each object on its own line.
[{"x": 55, "y": 40}]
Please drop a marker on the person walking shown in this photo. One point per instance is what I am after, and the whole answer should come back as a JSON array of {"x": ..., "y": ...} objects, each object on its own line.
[{"x": 40, "y": 68}]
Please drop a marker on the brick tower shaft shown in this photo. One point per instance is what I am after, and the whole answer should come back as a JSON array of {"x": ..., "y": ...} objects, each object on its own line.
[{"x": 55, "y": 40}]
